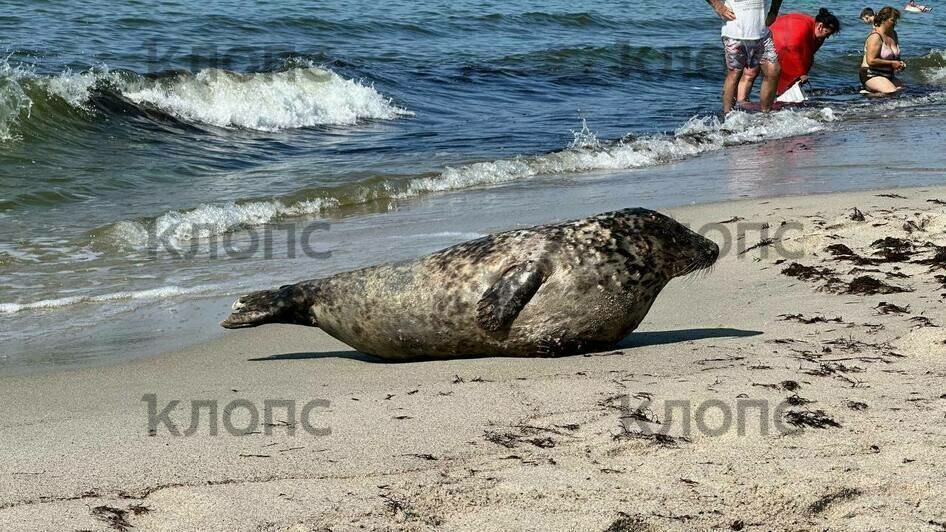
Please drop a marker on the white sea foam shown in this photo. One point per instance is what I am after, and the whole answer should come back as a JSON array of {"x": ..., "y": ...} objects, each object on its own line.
[
  {"x": 299, "y": 97},
  {"x": 177, "y": 228},
  {"x": 296, "y": 98},
  {"x": 13, "y": 99},
  {"x": 585, "y": 154},
  {"x": 163, "y": 292},
  {"x": 74, "y": 87},
  {"x": 932, "y": 66}
]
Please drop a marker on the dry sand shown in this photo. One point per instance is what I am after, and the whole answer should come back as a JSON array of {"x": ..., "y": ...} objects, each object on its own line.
[{"x": 539, "y": 444}]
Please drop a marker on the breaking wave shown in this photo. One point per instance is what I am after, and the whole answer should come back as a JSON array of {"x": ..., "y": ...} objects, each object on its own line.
[
  {"x": 931, "y": 67},
  {"x": 585, "y": 154},
  {"x": 299, "y": 97}
]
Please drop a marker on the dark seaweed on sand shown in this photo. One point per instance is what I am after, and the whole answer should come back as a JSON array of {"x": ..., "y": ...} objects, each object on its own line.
[
  {"x": 938, "y": 260},
  {"x": 868, "y": 286},
  {"x": 797, "y": 400},
  {"x": 640, "y": 414},
  {"x": 662, "y": 439},
  {"x": 810, "y": 418},
  {"x": 765, "y": 242},
  {"x": 527, "y": 434},
  {"x": 922, "y": 321},
  {"x": 899, "y": 244},
  {"x": 628, "y": 523},
  {"x": 842, "y": 252},
  {"x": 889, "y": 308},
  {"x": 856, "y": 405},
  {"x": 893, "y": 249},
  {"x": 824, "y": 502},
  {"x": 807, "y": 273},
  {"x": 115, "y": 518},
  {"x": 808, "y": 321}
]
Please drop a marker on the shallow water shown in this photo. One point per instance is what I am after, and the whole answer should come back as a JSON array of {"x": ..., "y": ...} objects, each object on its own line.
[{"x": 140, "y": 142}]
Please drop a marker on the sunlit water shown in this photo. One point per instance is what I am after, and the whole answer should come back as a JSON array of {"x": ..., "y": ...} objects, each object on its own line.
[{"x": 155, "y": 157}]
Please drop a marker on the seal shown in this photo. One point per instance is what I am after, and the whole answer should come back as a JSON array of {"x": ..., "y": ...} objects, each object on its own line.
[{"x": 549, "y": 290}]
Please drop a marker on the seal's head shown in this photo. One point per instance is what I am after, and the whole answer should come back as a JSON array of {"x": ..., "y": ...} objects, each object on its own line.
[{"x": 677, "y": 249}]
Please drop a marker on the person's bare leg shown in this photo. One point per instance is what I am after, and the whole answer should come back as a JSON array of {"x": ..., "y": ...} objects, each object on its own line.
[
  {"x": 746, "y": 83},
  {"x": 730, "y": 85},
  {"x": 881, "y": 85},
  {"x": 771, "y": 71}
]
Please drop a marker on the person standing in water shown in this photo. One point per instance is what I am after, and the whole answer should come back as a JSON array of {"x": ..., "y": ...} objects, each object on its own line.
[
  {"x": 748, "y": 42},
  {"x": 882, "y": 54},
  {"x": 797, "y": 38}
]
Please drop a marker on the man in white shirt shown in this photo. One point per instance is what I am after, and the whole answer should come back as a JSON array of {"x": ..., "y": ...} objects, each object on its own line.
[{"x": 748, "y": 43}]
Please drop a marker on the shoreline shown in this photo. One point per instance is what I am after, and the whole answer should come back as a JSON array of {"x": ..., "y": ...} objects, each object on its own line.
[
  {"x": 502, "y": 441},
  {"x": 840, "y": 158},
  {"x": 195, "y": 310}
]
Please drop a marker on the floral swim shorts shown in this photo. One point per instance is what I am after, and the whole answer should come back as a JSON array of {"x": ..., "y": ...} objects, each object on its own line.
[{"x": 749, "y": 54}]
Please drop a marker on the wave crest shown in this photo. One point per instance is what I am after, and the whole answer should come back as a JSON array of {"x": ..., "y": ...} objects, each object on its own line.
[
  {"x": 272, "y": 101},
  {"x": 585, "y": 154},
  {"x": 931, "y": 66},
  {"x": 298, "y": 97}
]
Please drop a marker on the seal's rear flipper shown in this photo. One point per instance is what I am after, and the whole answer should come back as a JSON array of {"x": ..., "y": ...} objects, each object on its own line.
[
  {"x": 267, "y": 306},
  {"x": 503, "y": 301}
]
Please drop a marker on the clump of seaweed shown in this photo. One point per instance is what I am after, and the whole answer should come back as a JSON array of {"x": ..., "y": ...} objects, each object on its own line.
[
  {"x": 808, "y": 321},
  {"x": 892, "y": 249},
  {"x": 797, "y": 400},
  {"x": 810, "y": 418},
  {"x": 822, "y": 504},
  {"x": 628, "y": 523},
  {"x": 842, "y": 252},
  {"x": 938, "y": 260},
  {"x": 115, "y": 518},
  {"x": 889, "y": 308},
  {"x": 807, "y": 273},
  {"x": 868, "y": 286}
]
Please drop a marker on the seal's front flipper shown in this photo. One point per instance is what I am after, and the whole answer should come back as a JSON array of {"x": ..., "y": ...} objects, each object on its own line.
[
  {"x": 268, "y": 306},
  {"x": 503, "y": 301}
]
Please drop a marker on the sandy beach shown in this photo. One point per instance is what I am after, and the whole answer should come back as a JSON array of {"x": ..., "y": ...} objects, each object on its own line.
[{"x": 819, "y": 340}]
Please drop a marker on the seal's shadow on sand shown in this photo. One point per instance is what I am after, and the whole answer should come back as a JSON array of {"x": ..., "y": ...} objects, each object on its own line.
[
  {"x": 643, "y": 339},
  {"x": 634, "y": 340}
]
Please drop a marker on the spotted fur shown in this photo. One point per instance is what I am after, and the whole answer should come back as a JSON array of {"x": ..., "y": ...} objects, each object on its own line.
[{"x": 549, "y": 290}]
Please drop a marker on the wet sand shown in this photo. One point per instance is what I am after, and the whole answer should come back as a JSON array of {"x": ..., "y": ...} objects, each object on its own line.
[{"x": 833, "y": 330}]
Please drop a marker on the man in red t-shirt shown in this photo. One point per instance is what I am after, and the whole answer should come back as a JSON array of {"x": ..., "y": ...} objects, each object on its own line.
[{"x": 797, "y": 37}]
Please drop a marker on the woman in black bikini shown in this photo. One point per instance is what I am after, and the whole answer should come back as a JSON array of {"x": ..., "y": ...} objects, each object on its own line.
[{"x": 882, "y": 54}]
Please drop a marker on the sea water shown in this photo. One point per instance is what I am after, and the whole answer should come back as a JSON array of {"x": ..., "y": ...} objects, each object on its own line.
[{"x": 157, "y": 159}]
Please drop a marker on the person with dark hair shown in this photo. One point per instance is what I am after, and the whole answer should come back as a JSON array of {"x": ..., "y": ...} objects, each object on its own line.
[
  {"x": 867, "y": 15},
  {"x": 882, "y": 54},
  {"x": 797, "y": 38},
  {"x": 747, "y": 42}
]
